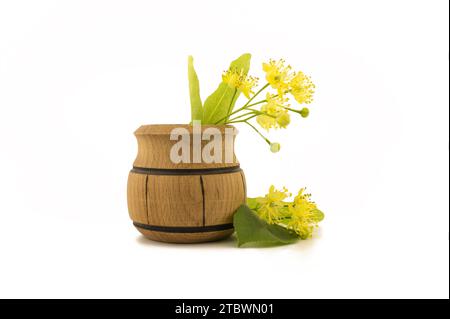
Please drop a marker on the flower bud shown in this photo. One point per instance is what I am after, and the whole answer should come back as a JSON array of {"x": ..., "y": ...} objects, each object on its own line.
[
  {"x": 274, "y": 147},
  {"x": 304, "y": 112}
]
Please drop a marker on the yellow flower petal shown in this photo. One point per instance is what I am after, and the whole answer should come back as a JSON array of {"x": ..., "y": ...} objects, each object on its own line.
[
  {"x": 237, "y": 79},
  {"x": 302, "y": 88},
  {"x": 278, "y": 75}
]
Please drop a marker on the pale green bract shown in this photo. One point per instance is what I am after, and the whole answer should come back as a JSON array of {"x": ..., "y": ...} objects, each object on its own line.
[
  {"x": 221, "y": 101},
  {"x": 194, "y": 92}
]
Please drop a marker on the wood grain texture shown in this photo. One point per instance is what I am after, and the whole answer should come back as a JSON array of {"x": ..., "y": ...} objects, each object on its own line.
[
  {"x": 181, "y": 200},
  {"x": 174, "y": 200},
  {"x": 154, "y": 147},
  {"x": 185, "y": 238},
  {"x": 137, "y": 197},
  {"x": 224, "y": 193}
]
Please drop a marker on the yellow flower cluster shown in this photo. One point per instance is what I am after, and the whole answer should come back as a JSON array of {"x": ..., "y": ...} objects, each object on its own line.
[
  {"x": 284, "y": 80},
  {"x": 275, "y": 113},
  {"x": 281, "y": 77},
  {"x": 240, "y": 81},
  {"x": 301, "y": 215}
]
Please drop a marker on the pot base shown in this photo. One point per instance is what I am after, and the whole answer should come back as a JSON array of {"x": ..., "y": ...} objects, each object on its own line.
[{"x": 185, "y": 238}]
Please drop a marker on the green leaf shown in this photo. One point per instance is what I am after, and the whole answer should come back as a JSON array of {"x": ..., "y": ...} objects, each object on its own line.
[
  {"x": 252, "y": 231},
  {"x": 221, "y": 101},
  {"x": 194, "y": 92}
]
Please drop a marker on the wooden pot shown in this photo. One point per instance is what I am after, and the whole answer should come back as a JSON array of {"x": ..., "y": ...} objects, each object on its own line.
[{"x": 183, "y": 202}]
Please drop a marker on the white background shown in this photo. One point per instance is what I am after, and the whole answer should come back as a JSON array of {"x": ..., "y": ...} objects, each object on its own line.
[{"x": 78, "y": 77}]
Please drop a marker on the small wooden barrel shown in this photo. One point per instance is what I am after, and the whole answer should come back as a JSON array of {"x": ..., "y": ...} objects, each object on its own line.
[{"x": 183, "y": 202}]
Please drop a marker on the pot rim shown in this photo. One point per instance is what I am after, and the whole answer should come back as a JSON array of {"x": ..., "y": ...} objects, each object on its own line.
[{"x": 166, "y": 129}]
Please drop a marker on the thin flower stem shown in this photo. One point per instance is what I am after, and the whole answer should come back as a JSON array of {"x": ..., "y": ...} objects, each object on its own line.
[
  {"x": 248, "y": 109},
  {"x": 242, "y": 115},
  {"x": 245, "y": 105},
  {"x": 292, "y": 110},
  {"x": 260, "y": 134},
  {"x": 244, "y": 120},
  {"x": 255, "y": 95},
  {"x": 254, "y": 112},
  {"x": 256, "y": 103}
]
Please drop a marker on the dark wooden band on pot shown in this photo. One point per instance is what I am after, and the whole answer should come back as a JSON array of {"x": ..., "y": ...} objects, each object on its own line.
[
  {"x": 185, "y": 171},
  {"x": 174, "y": 229}
]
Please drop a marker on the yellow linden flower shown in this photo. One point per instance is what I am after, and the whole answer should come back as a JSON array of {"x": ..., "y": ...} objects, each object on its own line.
[
  {"x": 231, "y": 78},
  {"x": 304, "y": 200},
  {"x": 240, "y": 81},
  {"x": 276, "y": 116},
  {"x": 270, "y": 206},
  {"x": 300, "y": 224},
  {"x": 302, "y": 221},
  {"x": 304, "y": 215},
  {"x": 265, "y": 121},
  {"x": 269, "y": 213},
  {"x": 247, "y": 85},
  {"x": 278, "y": 75},
  {"x": 276, "y": 196},
  {"x": 272, "y": 106},
  {"x": 302, "y": 88},
  {"x": 283, "y": 119}
]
